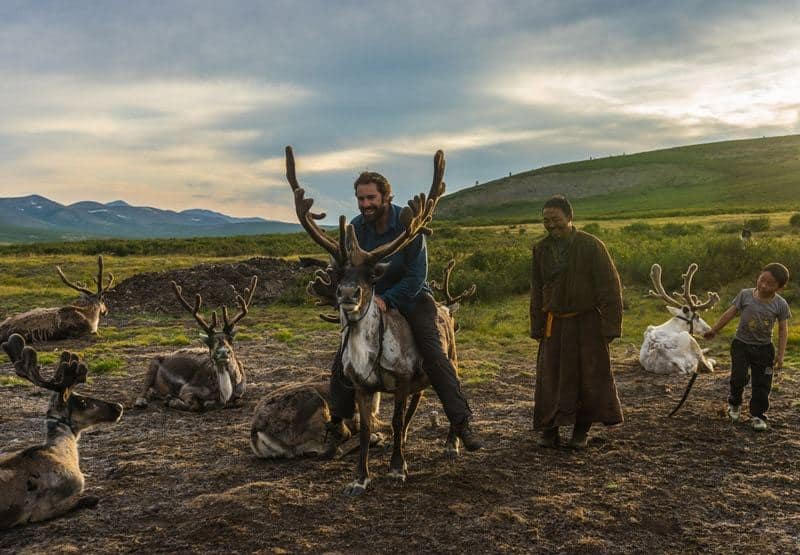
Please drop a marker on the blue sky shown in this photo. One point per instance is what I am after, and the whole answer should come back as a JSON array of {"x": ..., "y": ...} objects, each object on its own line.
[{"x": 190, "y": 104}]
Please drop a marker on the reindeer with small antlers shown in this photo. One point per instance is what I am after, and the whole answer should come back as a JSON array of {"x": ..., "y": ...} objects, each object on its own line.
[
  {"x": 196, "y": 379},
  {"x": 46, "y": 324},
  {"x": 46, "y": 481},
  {"x": 378, "y": 350},
  {"x": 671, "y": 347}
]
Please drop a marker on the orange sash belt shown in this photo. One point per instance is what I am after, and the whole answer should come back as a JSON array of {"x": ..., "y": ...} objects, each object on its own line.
[{"x": 548, "y": 329}]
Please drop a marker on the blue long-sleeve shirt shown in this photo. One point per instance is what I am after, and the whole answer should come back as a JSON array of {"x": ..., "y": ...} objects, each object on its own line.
[{"x": 405, "y": 278}]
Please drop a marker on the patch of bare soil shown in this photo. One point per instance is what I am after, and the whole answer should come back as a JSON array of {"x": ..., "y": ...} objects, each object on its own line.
[
  {"x": 180, "y": 482},
  {"x": 218, "y": 284}
]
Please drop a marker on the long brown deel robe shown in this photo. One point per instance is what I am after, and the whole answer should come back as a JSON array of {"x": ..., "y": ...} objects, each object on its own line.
[{"x": 574, "y": 382}]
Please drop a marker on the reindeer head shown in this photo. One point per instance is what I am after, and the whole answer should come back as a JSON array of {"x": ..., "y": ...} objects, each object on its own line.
[
  {"x": 684, "y": 305},
  {"x": 89, "y": 297},
  {"x": 66, "y": 407},
  {"x": 348, "y": 282},
  {"x": 219, "y": 342}
]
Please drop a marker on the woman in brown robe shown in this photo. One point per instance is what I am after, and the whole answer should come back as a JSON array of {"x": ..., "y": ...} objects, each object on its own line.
[{"x": 576, "y": 311}]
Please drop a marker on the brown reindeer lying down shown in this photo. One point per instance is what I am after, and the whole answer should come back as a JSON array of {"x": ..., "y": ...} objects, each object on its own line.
[
  {"x": 76, "y": 320},
  {"x": 45, "y": 481},
  {"x": 196, "y": 379},
  {"x": 290, "y": 421}
]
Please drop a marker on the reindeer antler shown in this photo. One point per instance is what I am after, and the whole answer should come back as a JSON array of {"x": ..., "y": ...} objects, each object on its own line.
[
  {"x": 685, "y": 296},
  {"x": 692, "y": 300},
  {"x": 13, "y": 347},
  {"x": 244, "y": 304},
  {"x": 415, "y": 218},
  {"x": 303, "y": 208},
  {"x": 70, "y": 371},
  {"x": 98, "y": 280},
  {"x": 444, "y": 287},
  {"x": 323, "y": 287},
  {"x": 195, "y": 311}
]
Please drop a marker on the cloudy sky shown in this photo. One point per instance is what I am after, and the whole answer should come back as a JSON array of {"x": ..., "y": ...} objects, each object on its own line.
[{"x": 189, "y": 104}]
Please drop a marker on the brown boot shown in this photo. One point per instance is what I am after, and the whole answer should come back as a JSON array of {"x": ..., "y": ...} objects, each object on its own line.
[
  {"x": 580, "y": 437},
  {"x": 469, "y": 437},
  {"x": 549, "y": 438}
]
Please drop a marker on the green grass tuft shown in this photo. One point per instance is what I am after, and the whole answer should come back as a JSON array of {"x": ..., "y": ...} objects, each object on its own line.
[
  {"x": 14, "y": 381},
  {"x": 111, "y": 365}
]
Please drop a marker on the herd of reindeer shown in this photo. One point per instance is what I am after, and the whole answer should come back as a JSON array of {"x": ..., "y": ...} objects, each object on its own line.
[{"x": 378, "y": 354}]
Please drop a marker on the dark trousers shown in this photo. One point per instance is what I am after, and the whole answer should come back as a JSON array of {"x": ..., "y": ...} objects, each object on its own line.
[
  {"x": 440, "y": 371},
  {"x": 758, "y": 360}
]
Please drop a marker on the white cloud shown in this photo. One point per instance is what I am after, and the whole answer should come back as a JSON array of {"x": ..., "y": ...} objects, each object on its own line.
[{"x": 739, "y": 74}]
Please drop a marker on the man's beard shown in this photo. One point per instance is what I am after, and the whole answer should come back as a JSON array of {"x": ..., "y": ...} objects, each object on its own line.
[{"x": 375, "y": 216}]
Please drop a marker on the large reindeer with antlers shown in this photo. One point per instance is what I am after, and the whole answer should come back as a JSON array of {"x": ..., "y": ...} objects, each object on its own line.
[
  {"x": 44, "y": 482},
  {"x": 76, "y": 320},
  {"x": 671, "y": 347},
  {"x": 195, "y": 378},
  {"x": 378, "y": 350},
  {"x": 291, "y": 420}
]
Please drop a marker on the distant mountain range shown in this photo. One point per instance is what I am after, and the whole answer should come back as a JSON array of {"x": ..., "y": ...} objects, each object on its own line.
[{"x": 35, "y": 218}]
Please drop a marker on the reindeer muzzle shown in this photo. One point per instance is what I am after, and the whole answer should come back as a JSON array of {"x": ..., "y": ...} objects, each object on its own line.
[{"x": 221, "y": 355}]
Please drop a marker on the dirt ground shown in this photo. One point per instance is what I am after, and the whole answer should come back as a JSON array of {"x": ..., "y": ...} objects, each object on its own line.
[{"x": 180, "y": 482}]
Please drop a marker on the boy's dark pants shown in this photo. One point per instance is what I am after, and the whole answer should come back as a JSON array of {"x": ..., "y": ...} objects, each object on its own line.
[{"x": 756, "y": 358}]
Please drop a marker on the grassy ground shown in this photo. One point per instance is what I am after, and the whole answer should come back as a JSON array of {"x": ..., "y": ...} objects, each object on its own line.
[{"x": 725, "y": 177}]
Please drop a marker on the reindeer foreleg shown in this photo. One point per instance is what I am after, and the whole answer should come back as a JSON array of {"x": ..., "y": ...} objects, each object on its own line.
[
  {"x": 398, "y": 469},
  {"x": 149, "y": 383},
  {"x": 451, "y": 444},
  {"x": 359, "y": 485},
  {"x": 412, "y": 408}
]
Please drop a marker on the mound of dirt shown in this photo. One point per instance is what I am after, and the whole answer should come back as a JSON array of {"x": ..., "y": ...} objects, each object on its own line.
[{"x": 218, "y": 285}]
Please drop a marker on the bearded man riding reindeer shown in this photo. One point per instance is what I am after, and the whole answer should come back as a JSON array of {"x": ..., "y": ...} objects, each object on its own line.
[{"x": 400, "y": 286}]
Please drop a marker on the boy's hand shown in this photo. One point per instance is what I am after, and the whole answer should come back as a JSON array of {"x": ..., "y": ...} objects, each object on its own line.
[
  {"x": 778, "y": 364},
  {"x": 710, "y": 334}
]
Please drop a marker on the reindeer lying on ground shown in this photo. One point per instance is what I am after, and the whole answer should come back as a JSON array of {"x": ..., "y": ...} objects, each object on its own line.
[
  {"x": 378, "y": 350},
  {"x": 671, "y": 348},
  {"x": 290, "y": 421},
  {"x": 195, "y": 378},
  {"x": 45, "y": 324},
  {"x": 44, "y": 482}
]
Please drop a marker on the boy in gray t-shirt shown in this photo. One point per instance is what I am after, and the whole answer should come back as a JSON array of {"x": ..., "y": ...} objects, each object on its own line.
[{"x": 752, "y": 348}]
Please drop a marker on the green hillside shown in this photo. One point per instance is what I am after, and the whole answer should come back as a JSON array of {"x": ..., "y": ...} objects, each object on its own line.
[{"x": 731, "y": 176}]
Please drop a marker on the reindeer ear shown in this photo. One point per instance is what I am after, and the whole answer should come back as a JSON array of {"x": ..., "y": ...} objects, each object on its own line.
[
  {"x": 207, "y": 338},
  {"x": 379, "y": 270}
]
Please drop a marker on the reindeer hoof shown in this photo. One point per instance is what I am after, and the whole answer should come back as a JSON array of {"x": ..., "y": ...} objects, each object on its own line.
[
  {"x": 399, "y": 474},
  {"x": 140, "y": 403},
  {"x": 87, "y": 502},
  {"x": 379, "y": 440},
  {"x": 356, "y": 488},
  {"x": 451, "y": 452}
]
